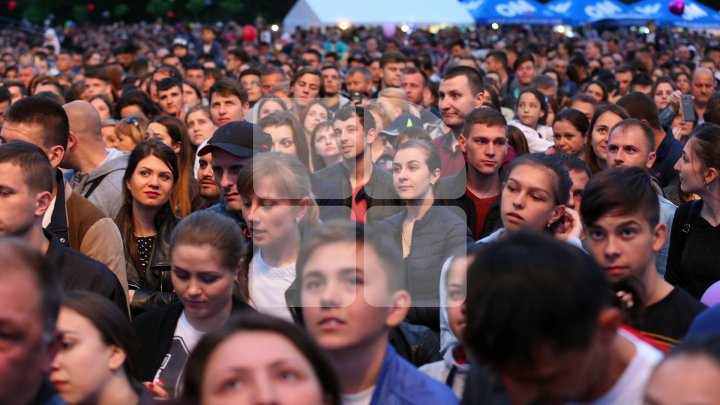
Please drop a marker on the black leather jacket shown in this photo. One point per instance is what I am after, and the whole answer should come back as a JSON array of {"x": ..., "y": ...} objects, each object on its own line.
[{"x": 153, "y": 287}]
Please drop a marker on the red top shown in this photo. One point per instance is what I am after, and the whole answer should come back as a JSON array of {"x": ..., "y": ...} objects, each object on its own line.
[
  {"x": 482, "y": 208},
  {"x": 359, "y": 208}
]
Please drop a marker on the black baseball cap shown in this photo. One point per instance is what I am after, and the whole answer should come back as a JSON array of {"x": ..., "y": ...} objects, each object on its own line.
[
  {"x": 403, "y": 121},
  {"x": 239, "y": 138}
]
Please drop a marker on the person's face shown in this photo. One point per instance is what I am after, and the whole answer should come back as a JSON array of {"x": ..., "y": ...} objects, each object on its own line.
[
  {"x": 585, "y": 108},
  {"x": 125, "y": 142},
  {"x": 251, "y": 83},
  {"x": 325, "y": 145},
  {"x": 94, "y": 60},
  {"x": 600, "y": 132},
  {"x": 350, "y": 138},
  {"x": 200, "y": 127},
  {"x": 208, "y": 187},
  {"x": 528, "y": 200},
  {"x": 269, "y": 216},
  {"x": 85, "y": 362},
  {"x": 171, "y": 101},
  {"x": 685, "y": 379},
  {"x": 456, "y": 294},
  {"x": 456, "y": 100},
  {"x": 356, "y": 82},
  {"x": 19, "y": 205},
  {"x": 101, "y": 108},
  {"x": 345, "y": 296},
  {"x": 232, "y": 63},
  {"x": 608, "y": 63},
  {"x": 26, "y": 75},
  {"x": 525, "y": 72},
  {"x": 94, "y": 87},
  {"x": 269, "y": 80},
  {"x": 560, "y": 66},
  {"x": 682, "y": 129},
  {"x": 592, "y": 51},
  {"x": 595, "y": 91},
  {"x": 24, "y": 357},
  {"x": 412, "y": 178},
  {"x": 529, "y": 110},
  {"x": 227, "y": 108},
  {"x": 15, "y": 93},
  {"x": 268, "y": 108},
  {"x": 151, "y": 183},
  {"x": 568, "y": 139},
  {"x": 208, "y": 36},
  {"x": 237, "y": 373},
  {"x": 315, "y": 115},
  {"x": 174, "y": 61},
  {"x": 202, "y": 283},
  {"x": 624, "y": 244},
  {"x": 226, "y": 168},
  {"x": 64, "y": 62},
  {"x": 579, "y": 180},
  {"x": 311, "y": 59},
  {"x": 691, "y": 170},
  {"x": 109, "y": 138},
  {"x": 306, "y": 89},
  {"x": 492, "y": 65},
  {"x": 159, "y": 132},
  {"x": 189, "y": 97},
  {"x": 683, "y": 83},
  {"x": 486, "y": 147},
  {"x": 413, "y": 86},
  {"x": 629, "y": 148},
  {"x": 391, "y": 74},
  {"x": 662, "y": 95},
  {"x": 332, "y": 81},
  {"x": 703, "y": 85},
  {"x": 283, "y": 139},
  {"x": 196, "y": 76},
  {"x": 624, "y": 79}
]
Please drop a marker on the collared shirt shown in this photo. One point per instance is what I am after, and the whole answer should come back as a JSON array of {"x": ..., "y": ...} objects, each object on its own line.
[{"x": 452, "y": 160}]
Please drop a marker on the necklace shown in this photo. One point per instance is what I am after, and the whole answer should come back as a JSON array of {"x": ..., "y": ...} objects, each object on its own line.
[{"x": 402, "y": 235}]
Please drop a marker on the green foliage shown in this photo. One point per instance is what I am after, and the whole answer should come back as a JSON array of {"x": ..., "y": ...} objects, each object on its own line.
[
  {"x": 230, "y": 8},
  {"x": 195, "y": 7},
  {"x": 157, "y": 8},
  {"x": 79, "y": 13},
  {"x": 120, "y": 10}
]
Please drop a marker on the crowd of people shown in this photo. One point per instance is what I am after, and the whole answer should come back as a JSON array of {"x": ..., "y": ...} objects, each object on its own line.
[{"x": 339, "y": 217}]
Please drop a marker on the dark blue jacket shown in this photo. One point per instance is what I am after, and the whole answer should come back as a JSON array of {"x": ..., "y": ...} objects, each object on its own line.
[{"x": 400, "y": 382}]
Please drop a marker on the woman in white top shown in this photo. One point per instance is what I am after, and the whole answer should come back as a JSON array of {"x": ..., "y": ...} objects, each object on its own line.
[{"x": 278, "y": 206}]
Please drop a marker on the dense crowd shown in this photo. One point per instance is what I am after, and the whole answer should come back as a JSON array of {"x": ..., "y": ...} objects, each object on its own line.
[{"x": 210, "y": 214}]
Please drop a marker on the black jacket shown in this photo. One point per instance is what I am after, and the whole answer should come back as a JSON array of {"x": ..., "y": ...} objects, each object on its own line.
[
  {"x": 154, "y": 330},
  {"x": 382, "y": 200},
  {"x": 79, "y": 272},
  {"x": 153, "y": 288},
  {"x": 452, "y": 191}
]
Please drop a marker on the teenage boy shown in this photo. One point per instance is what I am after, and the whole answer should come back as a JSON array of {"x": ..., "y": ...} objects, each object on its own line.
[
  {"x": 365, "y": 188},
  {"x": 476, "y": 190},
  {"x": 228, "y": 101},
  {"x": 620, "y": 212},
  {"x": 352, "y": 295},
  {"x": 170, "y": 94},
  {"x": 540, "y": 315}
]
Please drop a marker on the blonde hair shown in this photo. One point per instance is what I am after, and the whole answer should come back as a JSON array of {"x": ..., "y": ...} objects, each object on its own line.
[
  {"x": 287, "y": 174},
  {"x": 133, "y": 127}
]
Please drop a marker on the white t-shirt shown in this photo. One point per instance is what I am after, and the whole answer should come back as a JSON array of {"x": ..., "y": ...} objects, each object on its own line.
[
  {"x": 538, "y": 139},
  {"x": 629, "y": 389},
  {"x": 360, "y": 398},
  {"x": 267, "y": 286},
  {"x": 172, "y": 369}
]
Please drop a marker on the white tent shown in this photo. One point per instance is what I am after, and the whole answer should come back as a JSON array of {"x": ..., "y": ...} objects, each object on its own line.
[{"x": 318, "y": 13}]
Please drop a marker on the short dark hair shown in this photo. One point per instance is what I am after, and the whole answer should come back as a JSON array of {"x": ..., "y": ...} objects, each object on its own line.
[
  {"x": 529, "y": 290},
  {"x": 100, "y": 74},
  {"x": 366, "y": 119},
  {"x": 256, "y": 322},
  {"x": 335, "y": 231},
  {"x": 642, "y": 107},
  {"x": 410, "y": 70},
  {"x": 501, "y": 57},
  {"x": 474, "y": 77},
  {"x": 576, "y": 118},
  {"x": 432, "y": 158},
  {"x": 573, "y": 163},
  {"x": 621, "y": 190},
  {"x": 634, "y": 122},
  {"x": 641, "y": 79},
  {"x": 227, "y": 87},
  {"x": 250, "y": 72},
  {"x": 392, "y": 57},
  {"x": 168, "y": 83},
  {"x": 138, "y": 98},
  {"x": 5, "y": 96},
  {"x": 489, "y": 117},
  {"x": 42, "y": 111},
  {"x": 33, "y": 162}
]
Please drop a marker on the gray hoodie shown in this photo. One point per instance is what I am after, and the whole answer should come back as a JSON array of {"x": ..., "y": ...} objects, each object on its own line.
[{"x": 104, "y": 183}]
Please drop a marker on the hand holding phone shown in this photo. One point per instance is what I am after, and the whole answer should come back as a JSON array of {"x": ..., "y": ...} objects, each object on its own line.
[{"x": 687, "y": 108}]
